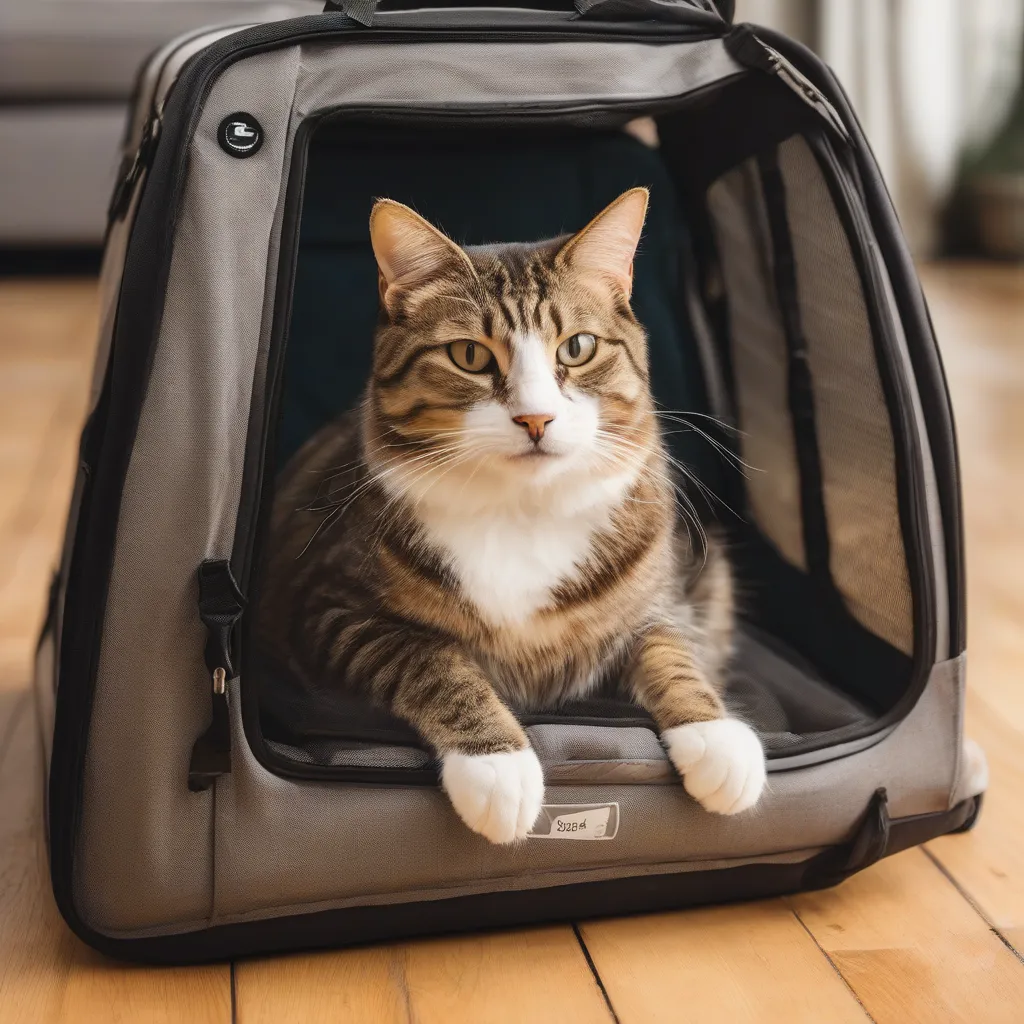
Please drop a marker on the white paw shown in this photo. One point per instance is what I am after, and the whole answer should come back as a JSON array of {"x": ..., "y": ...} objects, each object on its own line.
[
  {"x": 721, "y": 762},
  {"x": 497, "y": 795}
]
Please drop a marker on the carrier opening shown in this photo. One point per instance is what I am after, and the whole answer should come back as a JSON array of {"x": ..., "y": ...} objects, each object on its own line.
[{"x": 767, "y": 340}]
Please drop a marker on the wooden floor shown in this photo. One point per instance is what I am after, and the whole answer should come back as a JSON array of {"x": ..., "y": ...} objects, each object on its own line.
[{"x": 931, "y": 935}]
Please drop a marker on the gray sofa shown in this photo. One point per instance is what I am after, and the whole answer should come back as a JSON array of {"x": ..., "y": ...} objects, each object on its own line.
[{"x": 66, "y": 74}]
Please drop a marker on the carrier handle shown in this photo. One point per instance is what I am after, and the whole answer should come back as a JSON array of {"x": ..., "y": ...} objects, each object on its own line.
[{"x": 707, "y": 13}]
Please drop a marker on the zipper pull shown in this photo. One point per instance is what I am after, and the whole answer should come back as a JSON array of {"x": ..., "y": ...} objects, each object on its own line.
[
  {"x": 746, "y": 47},
  {"x": 220, "y": 607},
  {"x": 805, "y": 89},
  {"x": 132, "y": 166}
]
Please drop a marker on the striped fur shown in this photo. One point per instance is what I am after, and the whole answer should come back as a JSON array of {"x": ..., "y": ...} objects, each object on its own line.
[{"x": 428, "y": 553}]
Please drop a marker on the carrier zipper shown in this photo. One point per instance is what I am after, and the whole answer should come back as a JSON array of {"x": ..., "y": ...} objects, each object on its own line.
[
  {"x": 220, "y": 607},
  {"x": 789, "y": 74},
  {"x": 745, "y": 46},
  {"x": 132, "y": 168}
]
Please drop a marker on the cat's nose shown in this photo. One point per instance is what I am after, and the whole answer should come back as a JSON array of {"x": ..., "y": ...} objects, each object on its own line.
[{"x": 534, "y": 424}]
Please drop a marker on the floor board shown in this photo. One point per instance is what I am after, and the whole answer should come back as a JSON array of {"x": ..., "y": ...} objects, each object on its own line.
[
  {"x": 532, "y": 975},
  {"x": 979, "y": 316},
  {"x": 753, "y": 963},
  {"x": 912, "y": 948},
  {"x": 47, "y": 975}
]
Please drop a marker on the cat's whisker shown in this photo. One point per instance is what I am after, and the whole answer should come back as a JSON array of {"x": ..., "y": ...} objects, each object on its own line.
[
  {"x": 392, "y": 466},
  {"x": 730, "y": 428},
  {"x": 727, "y": 454}
]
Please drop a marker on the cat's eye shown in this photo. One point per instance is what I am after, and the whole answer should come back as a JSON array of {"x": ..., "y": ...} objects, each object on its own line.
[
  {"x": 470, "y": 356},
  {"x": 577, "y": 350}
]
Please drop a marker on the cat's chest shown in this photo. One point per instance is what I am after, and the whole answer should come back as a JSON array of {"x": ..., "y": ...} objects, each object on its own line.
[{"x": 509, "y": 567}]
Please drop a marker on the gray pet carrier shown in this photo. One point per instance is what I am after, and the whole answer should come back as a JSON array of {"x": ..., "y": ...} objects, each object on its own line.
[{"x": 201, "y": 803}]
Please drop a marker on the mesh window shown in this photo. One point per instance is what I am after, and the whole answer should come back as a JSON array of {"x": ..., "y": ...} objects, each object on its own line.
[
  {"x": 758, "y": 344},
  {"x": 855, "y": 435},
  {"x": 866, "y": 558}
]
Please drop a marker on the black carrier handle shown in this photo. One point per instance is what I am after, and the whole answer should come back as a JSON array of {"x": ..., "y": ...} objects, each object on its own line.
[{"x": 709, "y": 14}]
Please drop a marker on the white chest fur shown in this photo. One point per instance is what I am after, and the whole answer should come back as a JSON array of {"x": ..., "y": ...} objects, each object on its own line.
[
  {"x": 509, "y": 565},
  {"x": 510, "y": 562}
]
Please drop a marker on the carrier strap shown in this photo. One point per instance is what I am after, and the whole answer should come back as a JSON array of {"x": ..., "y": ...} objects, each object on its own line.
[
  {"x": 220, "y": 607},
  {"x": 709, "y": 11}
]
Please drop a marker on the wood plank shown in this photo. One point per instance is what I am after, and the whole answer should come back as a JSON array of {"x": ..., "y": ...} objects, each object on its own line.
[
  {"x": 736, "y": 964},
  {"x": 912, "y": 948},
  {"x": 986, "y": 862},
  {"x": 49, "y": 333},
  {"x": 534, "y": 975},
  {"x": 100, "y": 990},
  {"x": 1015, "y": 937},
  {"x": 46, "y": 974},
  {"x": 978, "y": 316},
  {"x": 979, "y": 312}
]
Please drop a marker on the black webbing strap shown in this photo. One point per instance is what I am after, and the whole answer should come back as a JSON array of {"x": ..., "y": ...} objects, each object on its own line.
[
  {"x": 220, "y": 607},
  {"x": 711, "y": 11},
  {"x": 358, "y": 10},
  {"x": 800, "y": 384}
]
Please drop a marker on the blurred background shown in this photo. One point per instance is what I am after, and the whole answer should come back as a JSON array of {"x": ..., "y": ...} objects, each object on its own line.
[
  {"x": 936, "y": 84},
  {"x": 937, "y": 87}
]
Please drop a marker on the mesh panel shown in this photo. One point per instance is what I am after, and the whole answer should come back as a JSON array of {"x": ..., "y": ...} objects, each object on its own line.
[
  {"x": 855, "y": 437},
  {"x": 866, "y": 557},
  {"x": 759, "y": 360},
  {"x": 331, "y": 753}
]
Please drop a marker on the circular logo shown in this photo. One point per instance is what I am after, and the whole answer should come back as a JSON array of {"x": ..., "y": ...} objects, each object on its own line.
[{"x": 240, "y": 134}]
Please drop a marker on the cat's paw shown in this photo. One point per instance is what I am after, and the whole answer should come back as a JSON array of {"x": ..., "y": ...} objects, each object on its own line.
[
  {"x": 721, "y": 762},
  {"x": 497, "y": 795}
]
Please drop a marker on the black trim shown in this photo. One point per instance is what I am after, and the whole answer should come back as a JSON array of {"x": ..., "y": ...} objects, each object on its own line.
[
  {"x": 877, "y": 836},
  {"x": 800, "y": 386}
]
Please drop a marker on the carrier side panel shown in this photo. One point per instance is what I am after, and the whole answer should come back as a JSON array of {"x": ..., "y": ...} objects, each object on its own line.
[{"x": 145, "y": 846}]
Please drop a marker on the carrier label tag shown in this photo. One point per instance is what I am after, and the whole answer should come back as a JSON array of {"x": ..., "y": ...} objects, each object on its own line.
[{"x": 577, "y": 821}]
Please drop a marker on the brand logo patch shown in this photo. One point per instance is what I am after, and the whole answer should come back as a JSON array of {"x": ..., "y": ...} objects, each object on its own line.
[
  {"x": 240, "y": 134},
  {"x": 577, "y": 821}
]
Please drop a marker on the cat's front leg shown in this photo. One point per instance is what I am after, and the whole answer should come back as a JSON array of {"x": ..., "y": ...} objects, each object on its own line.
[
  {"x": 492, "y": 776},
  {"x": 720, "y": 759}
]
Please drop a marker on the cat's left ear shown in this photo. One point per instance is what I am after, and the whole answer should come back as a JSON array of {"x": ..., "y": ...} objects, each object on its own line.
[{"x": 607, "y": 245}]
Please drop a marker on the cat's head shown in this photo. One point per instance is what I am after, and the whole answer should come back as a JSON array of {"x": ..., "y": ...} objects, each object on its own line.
[{"x": 506, "y": 370}]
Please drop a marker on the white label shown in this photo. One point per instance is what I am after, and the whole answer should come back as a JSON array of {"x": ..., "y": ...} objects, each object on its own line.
[{"x": 577, "y": 821}]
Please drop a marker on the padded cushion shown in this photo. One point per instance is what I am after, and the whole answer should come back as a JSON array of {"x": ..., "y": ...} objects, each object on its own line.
[{"x": 479, "y": 188}]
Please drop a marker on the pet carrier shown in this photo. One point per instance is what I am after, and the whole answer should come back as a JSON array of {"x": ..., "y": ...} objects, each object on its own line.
[{"x": 201, "y": 803}]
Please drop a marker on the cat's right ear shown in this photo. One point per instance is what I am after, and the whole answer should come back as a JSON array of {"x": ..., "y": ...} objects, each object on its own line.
[{"x": 410, "y": 251}]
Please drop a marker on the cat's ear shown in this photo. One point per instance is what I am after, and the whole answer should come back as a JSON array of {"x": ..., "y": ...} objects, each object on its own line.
[
  {"x": 409, "y": 249},
  {"x": 607, "y": 245}
]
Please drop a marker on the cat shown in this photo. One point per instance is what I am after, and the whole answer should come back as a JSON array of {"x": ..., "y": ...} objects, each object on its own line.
[{"x": 495, "y": 527}]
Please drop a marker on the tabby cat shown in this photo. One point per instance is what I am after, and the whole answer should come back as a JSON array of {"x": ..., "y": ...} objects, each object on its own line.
[{"x": 495, "y": 526}]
